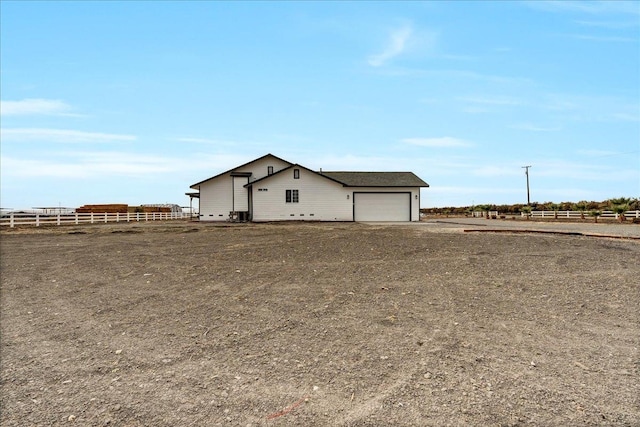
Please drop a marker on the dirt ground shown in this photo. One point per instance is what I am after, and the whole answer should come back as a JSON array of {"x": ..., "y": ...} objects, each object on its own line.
[{"x": 184, "y": 324}]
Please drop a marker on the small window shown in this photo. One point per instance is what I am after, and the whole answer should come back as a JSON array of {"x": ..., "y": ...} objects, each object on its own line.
[
  {"x": 296, "y": 174},
  {"x": 291, "y": 196},
  {"x": 269, "y": 170}
]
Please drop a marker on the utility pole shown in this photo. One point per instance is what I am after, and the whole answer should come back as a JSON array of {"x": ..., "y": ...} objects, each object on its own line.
[{"x": 526, "y": 172}]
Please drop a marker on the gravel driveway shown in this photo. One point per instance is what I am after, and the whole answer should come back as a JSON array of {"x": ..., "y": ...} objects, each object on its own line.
[{"x": 465, "y": 224}]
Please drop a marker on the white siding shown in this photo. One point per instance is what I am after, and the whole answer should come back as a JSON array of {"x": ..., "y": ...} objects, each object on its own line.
[
  {"x": 216, "y": 195},
  {"x": 259, "y": 167},
  {"x": 240, "y": 194},
  {"x": 216, "y": 199},
  {"x": 320, "y": 199}
]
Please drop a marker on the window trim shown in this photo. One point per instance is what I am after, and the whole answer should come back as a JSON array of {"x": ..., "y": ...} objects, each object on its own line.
[
  {"x": 292, "y": 196},
  {"x": 269, "y": 170},
  {"x": 296, "y": 174}
]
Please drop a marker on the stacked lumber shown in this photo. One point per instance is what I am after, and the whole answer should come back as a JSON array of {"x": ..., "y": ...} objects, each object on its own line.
[
  {"x": 148, "y": 209},
  {"x": 155, "y": 209},
  {"x": 111, "y": 208}
]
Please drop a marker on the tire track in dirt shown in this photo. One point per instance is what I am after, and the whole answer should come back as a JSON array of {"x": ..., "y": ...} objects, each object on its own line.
[{"x": 364, "y": 409}]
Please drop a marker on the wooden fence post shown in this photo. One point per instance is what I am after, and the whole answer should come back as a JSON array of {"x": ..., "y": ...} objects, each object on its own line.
[
  {"x": 37, "y": 220},
  {"x": 11, "y": 220}
]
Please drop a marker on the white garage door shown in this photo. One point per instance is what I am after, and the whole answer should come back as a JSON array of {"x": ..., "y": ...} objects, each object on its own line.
[{"x": 382, "y": 206}]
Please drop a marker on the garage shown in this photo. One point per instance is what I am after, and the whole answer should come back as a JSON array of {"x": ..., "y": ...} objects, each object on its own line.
[{"x": 382, "y": 206}]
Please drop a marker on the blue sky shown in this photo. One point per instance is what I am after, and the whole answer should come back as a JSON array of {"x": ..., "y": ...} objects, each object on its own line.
[{"x": 126, "y": 102}]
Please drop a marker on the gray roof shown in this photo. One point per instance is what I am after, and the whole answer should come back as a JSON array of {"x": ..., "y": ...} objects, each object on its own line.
[{"x": 376, "y": 179}]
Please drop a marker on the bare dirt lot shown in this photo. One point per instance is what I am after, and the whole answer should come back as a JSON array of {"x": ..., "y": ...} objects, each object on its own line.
[{"x": 317, "y": 324}]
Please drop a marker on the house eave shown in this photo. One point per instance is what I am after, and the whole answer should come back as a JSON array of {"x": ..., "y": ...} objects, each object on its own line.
[{"x": 197, "y": 184}]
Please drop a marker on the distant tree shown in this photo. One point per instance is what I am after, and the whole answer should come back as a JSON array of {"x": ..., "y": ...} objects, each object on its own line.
[
  {"x": 516, "y": 208},
  {"x": 593, "y": 205},
  {"x": 595, "y": 214},
  {"x": 619, "y": 206},
  {"x": 581, "y": 206},
  {"x": 536, "y": 206},
  {"x": 526, "y": 210},
  {"x": 555, "y": 208},
  {"x": 566, "y": 206},
  {"x": 485, "y": 209}
]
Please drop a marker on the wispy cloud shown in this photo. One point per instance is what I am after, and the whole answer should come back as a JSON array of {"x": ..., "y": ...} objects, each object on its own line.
[
  {"x": 604, "y": 153},
  {"x": 458, "y": 74},
  {"x": 443, "y": 142},
  {"x": 596, "y": 153},
  {"x": 498, "y": 171},
  {"x": 534, "y": 128},
  {"x": 614, "y": 39},
  {"x": 613, "y": 25},
  {"x": 86, "y": 165},
  {"x": 589, "y": 7},
  {"x": 487, "y": 104},
  {"x": 591, "y": 108},
  {"x": 53, "y": 107},
  {"x": 492, "y": 78},
  {"x": 476, "y": 110},
  {"x": 625, "y": 117},
  {"x": 492, "y": 100},
  {"x": 60, "y": 136},
  {"x": 210, "y": 141},
  {"x": 92, "y": 164},
  {"x": 565, "y": 169},
  {"x": 395, "y": 46}
]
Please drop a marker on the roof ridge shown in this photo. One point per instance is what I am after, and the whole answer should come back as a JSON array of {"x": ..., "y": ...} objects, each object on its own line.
[{"x": 240, "y": 166}]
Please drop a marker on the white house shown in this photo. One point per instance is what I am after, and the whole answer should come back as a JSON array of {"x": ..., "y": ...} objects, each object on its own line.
[{"x": 272, "y": 189}]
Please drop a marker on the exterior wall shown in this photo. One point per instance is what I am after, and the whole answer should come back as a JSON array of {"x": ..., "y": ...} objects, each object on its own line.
[
  {"x": 259, "y": 167},
  {"x": 320, "y": 199},
  {"x": 240, "y": 194},
  {"x": 216, "y": 198},
  {"x": 216, "y": 195}
]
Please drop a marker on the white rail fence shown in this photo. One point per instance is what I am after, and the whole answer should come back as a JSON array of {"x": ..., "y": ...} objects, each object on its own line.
[
  {"x": 579, "y": 214},
  {"x": 40, "y": 219},
  {"x": 485, "y": 214},
  {"x": 559, "y": 214}
]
